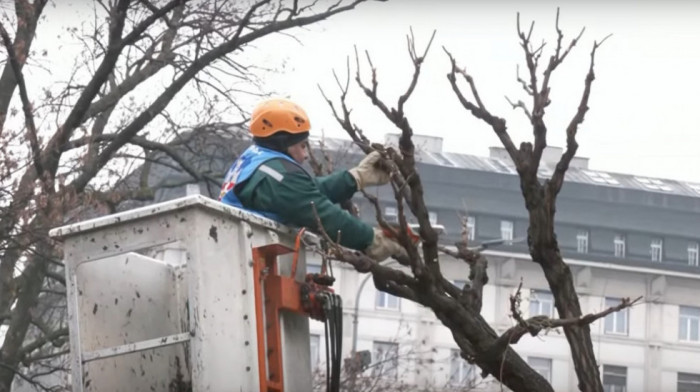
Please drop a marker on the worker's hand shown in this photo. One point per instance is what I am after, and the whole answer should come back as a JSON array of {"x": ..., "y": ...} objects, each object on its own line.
[
  {"x": 383, "y": 247},
  {"x": 367, "y": 173}
]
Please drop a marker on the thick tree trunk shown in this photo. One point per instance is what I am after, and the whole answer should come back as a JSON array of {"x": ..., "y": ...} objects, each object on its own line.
[
  {"x": 566, "y": 300},
  {"x": 478, "y": 339},
  {"x": 544, "y": 250}
]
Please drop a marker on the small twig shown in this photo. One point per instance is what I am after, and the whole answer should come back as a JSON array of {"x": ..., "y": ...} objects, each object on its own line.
[
  {"x": 417, "y": 62},
  {"x": 359, "y": 261},
  {"x": 322, "y": 230},
  {"x": 521, "y": 105},
  {"x": 25, "y": 378},
  {"x": 521, "y": 81},
  {"x": 378, "y": 213},
  {"x": 479, "y": 111}
]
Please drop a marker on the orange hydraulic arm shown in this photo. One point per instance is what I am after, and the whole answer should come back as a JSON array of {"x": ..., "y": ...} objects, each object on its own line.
[{"x": 275, "y": 293}]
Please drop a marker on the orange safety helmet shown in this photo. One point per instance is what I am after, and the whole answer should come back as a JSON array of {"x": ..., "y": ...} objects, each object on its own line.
[{"x": 275, "y": 115}]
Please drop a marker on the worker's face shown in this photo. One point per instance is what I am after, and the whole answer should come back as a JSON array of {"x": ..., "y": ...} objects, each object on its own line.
[{"x": 298, "y": 152}]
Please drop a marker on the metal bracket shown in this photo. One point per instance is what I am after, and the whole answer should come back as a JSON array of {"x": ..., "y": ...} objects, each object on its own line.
[{"x": 138, "y": 346}]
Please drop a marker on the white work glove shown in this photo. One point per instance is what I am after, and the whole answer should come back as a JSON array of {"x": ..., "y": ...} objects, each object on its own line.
[
  {"x": 367, "y": 174},
  {"x": 383, "y": 247}
]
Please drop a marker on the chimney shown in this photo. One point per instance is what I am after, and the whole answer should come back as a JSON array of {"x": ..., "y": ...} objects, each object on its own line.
[
  {"x": 423, "y": 143},
  {"x": 550, "y": 157}
]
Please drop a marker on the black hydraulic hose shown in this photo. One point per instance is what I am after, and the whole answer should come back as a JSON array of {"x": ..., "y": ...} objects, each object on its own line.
[
  {"x": 328, "y": 362},
  {"x": 330, "y": 318},
  {"x": 338, "y": 309},
  {"x": 333, "y": 314}
]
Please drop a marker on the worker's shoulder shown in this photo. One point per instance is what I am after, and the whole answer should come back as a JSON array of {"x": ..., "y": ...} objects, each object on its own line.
[{"x": 279, "y": 167}]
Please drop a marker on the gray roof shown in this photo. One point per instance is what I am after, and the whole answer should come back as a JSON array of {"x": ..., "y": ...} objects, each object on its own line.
[
  {"x": 573, "y": 174},
  {"x": 223, "y": 142}
]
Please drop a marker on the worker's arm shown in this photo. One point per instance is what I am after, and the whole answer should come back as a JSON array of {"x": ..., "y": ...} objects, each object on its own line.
[
  {"x": 338, "y": 186},
  {"x": 288, "y": 191},
  {"x": 342, "y": 185}
]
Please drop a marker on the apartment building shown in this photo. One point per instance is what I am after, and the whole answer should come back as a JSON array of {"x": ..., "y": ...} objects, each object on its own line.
[{"x": 622, "y": 236}]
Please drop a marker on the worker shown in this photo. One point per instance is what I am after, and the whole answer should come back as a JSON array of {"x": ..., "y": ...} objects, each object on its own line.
[{"x": 268, "y": 179}]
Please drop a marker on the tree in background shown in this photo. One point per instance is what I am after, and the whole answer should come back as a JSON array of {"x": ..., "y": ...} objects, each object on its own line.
[
  {"x": 387, "y": 368},
  {"x": 420, "y": 279},
  {"x": 145, "y": 69}
]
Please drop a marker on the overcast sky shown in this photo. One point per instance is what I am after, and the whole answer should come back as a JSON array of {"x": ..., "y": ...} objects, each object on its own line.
[{"x": 643, "y": 116}]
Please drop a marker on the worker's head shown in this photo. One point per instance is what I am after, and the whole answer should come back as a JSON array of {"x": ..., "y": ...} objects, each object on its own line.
[{"x": 281, "y": 125}]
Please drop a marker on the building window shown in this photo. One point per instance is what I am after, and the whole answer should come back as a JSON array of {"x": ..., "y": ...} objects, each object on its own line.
[
  {"x": 541, "y": 303},
  {"x": 582, "y": 241},
  {"x": 461, "y": 372},
  {"x": 432, "y": 217},
  {"x": 693, "y": 254},
  {"x": 543, "y": 366},
  {"x": 471, "y": 228},
  {"x": 616, "y": 322},
  {"x": 385, "y": 359},
  {"x": 313, "y": 268},
  {"x": 315, "y": 344},
  {"x": 654, "y": 184},
  {"x": 657, "y": 250},
  {"x": 688, "y": 382},
  {"x": 387, "y": 301},
  {"x": 603, "y": 178},
  {"x": 689, "y": 324},
  {"x": 507, "y": 230},
  {"x": 391, "y": 215},
  {"x": 614, "y": 378},
  {"x": 620, "y": 246}
]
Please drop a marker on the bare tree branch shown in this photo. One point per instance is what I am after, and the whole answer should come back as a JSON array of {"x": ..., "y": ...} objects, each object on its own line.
[
  {"x": 521, "y": 105},
  {"x": 479, "y": 111},
  {"x": 26, "y": 105},
  {"x": 92, "y": 126},
  {"x": 571, "y": 144},
  {"x": 39, "y": 342},
  {"x": 27, "y": 15},
  {"x": 417, "y": 62},
  {"x": 536, "y": 324},
  {"x": 162, "y": 101},
  {"x": 25, "y": 378}
]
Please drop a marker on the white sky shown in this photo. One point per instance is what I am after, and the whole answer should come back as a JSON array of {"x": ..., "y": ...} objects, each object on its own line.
[{"x": 642, "y": 118}]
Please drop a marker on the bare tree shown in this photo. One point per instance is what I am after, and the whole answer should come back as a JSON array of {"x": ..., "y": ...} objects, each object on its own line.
[
  {"x": 118, "y": 106},
  {"x": 459, "y": 309},
  {"x": 391, "y": 369}
]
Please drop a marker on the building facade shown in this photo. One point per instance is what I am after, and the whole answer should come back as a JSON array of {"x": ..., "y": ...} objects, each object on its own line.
[{"x": 622, "y": 236}]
